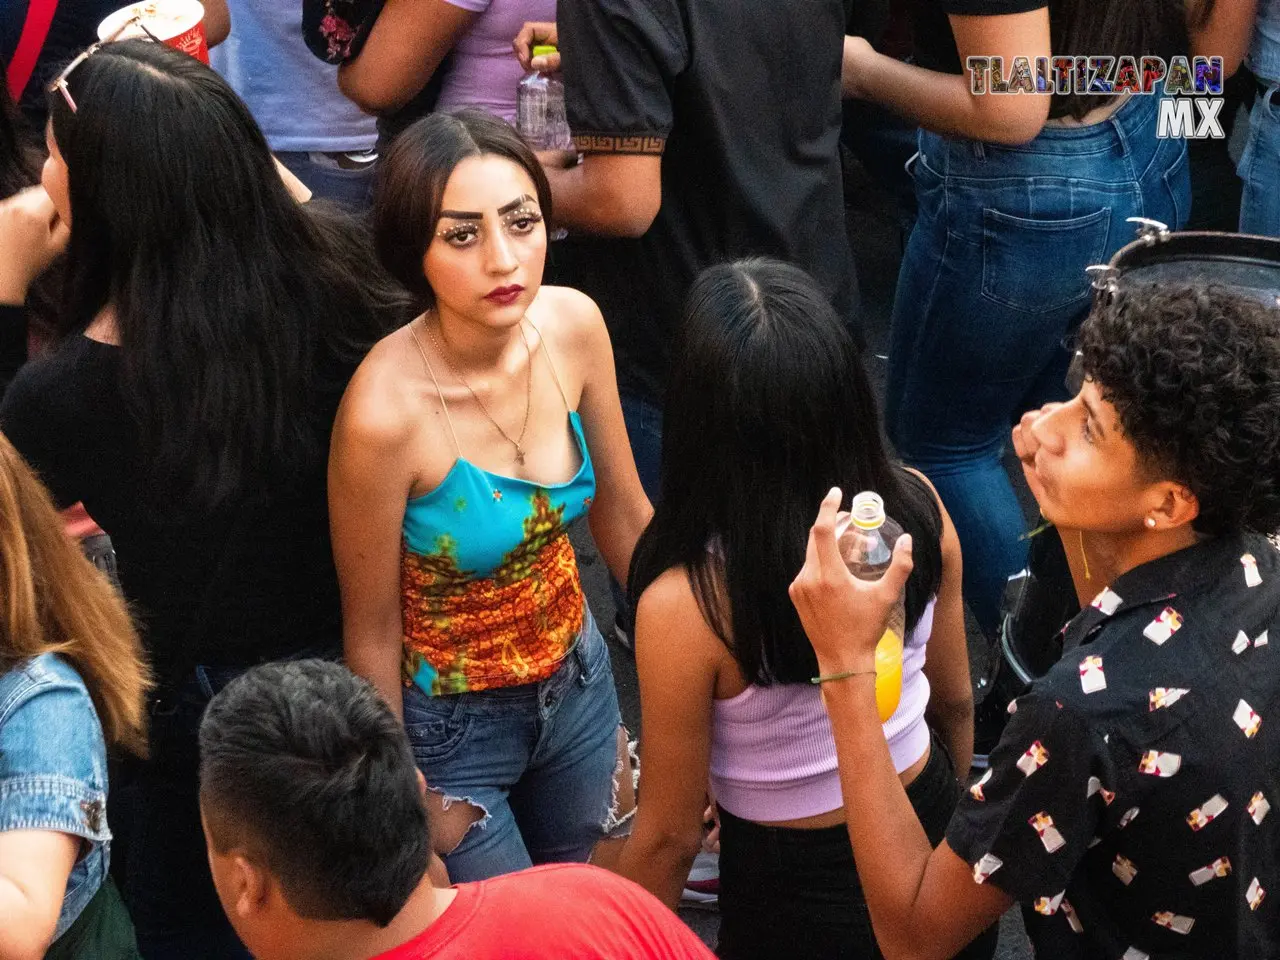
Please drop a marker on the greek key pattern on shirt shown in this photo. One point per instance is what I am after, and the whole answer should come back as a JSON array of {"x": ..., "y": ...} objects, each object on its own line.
[{"x": 619, "y": 143}]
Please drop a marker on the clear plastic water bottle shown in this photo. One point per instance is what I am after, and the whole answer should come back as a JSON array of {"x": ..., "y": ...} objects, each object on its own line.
[
  {"x": 866, "y": 538},
  {"x": 540, "y": 116}
]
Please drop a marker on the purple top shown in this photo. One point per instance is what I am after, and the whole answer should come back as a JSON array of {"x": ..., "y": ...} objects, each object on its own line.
[
  {"x": 485, "y": 71},
  {"x": 773, "y": 756}
]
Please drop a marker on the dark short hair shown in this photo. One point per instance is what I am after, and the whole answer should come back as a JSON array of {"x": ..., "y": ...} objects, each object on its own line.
[
  {"x": 412, "y": 179},
  {"x": 304, "y": 766},
  {"x": 1194, "y": 374},
  {"x": 768, "y": 408}
]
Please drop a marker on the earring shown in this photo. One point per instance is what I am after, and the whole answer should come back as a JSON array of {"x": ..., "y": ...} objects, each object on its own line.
[{"x": 1150, "y": 522}]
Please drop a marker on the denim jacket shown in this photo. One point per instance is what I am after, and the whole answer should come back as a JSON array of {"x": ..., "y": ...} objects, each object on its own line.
[
  {"x": 53, "y": 769},
  {"x": 1264, "y": 53}
]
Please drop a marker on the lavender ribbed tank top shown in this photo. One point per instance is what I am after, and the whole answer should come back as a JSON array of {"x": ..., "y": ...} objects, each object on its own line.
[{"x": 773, "y": 756}]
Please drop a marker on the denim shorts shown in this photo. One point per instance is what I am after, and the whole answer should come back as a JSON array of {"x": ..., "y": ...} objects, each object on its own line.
[{"x": 538, "y": 761}]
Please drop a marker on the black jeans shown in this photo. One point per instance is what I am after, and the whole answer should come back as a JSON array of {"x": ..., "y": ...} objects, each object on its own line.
[
  {"x": 159, "y": 858},
  {"x": 154, "y": 810},
  {"x": 795, "y": 893}
]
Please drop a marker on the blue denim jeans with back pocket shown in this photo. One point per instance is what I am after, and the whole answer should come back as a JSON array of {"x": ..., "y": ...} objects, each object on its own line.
[
  {"x": 992, "y": 285},
  {"x": 1259, "y": 166},
  {"x": 537, "y": 760}
]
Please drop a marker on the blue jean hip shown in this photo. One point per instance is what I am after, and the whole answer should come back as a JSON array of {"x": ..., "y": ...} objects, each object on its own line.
[
  {"x": 1259, "y": 165},
  {"x": 994, "y": 276},
  {"x": 992, "y": 286},
  {"x": 537, "y": 761},
  {"x": 350, "y": 188}
]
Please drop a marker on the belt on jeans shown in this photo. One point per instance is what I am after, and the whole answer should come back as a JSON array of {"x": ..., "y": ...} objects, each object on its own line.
[{"x": 352, "y": 159}]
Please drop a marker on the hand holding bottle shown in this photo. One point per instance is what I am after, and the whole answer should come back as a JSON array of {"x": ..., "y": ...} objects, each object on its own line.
[
  {"x": 536, "y": 34},
  {"x": 846, "y": 618}
]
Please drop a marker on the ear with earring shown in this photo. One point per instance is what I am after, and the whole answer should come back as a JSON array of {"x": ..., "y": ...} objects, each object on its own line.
[{"x": 1150, "y": 522}]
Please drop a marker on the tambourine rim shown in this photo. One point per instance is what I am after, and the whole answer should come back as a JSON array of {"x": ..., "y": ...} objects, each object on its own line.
[{"x": 1160, "y": 241}]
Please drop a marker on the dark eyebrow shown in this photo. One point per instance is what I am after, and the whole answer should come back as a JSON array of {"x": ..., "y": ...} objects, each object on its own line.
[
  {"x": 504, "y": 209},
  {"x": 515, "y": 204}
]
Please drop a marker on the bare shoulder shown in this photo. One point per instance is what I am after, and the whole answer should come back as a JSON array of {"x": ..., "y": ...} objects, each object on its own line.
[
  {"x": 927, "y": 482},
  {"x": 668, "y": 615},
  {"x": 377, "y": 407},
  {"x": 950, "y": 540},
  {"x": 570, "y": 320}
]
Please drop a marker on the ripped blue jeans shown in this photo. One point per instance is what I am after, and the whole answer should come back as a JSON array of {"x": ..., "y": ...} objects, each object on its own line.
[{"x": 539, "y": 761}]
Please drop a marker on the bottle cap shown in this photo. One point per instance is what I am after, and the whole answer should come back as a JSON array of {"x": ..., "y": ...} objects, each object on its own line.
[
  {"x": 867, "y": 512},
  {"x": 544, "y": 50}
]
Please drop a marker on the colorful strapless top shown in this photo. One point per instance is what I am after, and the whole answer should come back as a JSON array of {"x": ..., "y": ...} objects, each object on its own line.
[{"x": 490, "y": 593}]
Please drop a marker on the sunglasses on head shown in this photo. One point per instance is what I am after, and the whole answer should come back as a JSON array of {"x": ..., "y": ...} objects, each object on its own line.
[{"x": 60, "y": 84}]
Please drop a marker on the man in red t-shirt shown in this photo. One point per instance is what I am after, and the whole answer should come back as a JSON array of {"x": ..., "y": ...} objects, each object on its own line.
[{"x": 319, "y": 843}]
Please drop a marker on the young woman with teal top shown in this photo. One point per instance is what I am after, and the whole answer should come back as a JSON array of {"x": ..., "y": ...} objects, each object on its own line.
[{"x": 467, "y": 443}]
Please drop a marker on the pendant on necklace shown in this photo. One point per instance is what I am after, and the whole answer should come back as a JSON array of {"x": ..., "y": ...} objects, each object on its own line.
[{"x": 519, "y": 455}]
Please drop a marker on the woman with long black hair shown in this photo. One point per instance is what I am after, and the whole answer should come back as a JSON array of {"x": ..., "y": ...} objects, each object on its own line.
[
  {"x": 210, "y": 325},
  {"x": 773, "y": 409}
]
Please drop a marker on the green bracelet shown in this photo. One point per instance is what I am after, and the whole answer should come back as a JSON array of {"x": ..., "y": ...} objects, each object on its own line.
[{"x": 843, "y": 676}]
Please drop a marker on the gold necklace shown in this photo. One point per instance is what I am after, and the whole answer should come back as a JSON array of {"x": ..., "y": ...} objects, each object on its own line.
[{"x": 528, "y": 397}]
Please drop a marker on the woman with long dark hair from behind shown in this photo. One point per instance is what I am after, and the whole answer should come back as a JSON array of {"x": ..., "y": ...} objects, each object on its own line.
[
  {"x": 211, "y": 324},
  {"x": 72, "y": 683},
  {"x": 774, "y": 408}
]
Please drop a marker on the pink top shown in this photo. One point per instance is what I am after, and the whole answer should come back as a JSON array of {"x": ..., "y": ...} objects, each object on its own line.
[
  {"x": 485, "y": 71},
  {"x": 773, "y": 756}
]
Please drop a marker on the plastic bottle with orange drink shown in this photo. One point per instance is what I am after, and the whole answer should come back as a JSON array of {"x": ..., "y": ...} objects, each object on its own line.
[{"x": 866, "y": 538}]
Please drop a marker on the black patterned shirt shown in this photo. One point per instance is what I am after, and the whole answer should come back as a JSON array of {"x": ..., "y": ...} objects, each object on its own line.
[{"x": 1131, "y": 805}]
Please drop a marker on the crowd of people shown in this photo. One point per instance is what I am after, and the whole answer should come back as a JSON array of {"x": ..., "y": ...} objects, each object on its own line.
[{"x": 298, "y": 407}]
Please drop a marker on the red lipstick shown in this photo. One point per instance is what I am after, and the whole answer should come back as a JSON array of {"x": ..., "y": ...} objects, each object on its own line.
[{"x": 505, "y": 296}]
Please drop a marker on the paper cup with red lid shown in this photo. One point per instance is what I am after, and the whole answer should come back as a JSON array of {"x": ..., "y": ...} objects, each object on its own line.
[{"x": 175, "y": 23}]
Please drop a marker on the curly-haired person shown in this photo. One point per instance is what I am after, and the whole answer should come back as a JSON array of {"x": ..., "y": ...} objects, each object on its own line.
[{"x": 1129, "y": 806}]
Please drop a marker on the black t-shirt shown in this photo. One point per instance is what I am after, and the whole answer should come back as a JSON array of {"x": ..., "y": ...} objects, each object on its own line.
[
  {"x": 74, "y": 27},
  {"x": 935, "y": 44},
  {"x": 742, "y": 99},
  {"x": 13, "y": 343},
  {"x": 1133, "y": 805},
  {"x": 268, "y": 557},
  {"x": 1130, "y": 29}
]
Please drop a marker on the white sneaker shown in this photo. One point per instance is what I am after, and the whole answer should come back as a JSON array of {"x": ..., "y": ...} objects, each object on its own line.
[{"x": 703, "y": 886}]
